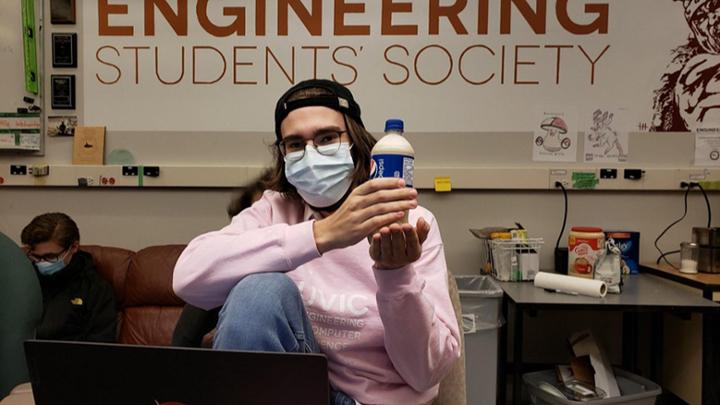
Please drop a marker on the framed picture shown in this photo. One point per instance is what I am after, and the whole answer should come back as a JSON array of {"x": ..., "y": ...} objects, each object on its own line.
[
  {"x": 62, "y": 92},
  {"x": 61, "y": 125},
  {"x": 62, "y": 11},
  {"x": 64, "y": 50}
]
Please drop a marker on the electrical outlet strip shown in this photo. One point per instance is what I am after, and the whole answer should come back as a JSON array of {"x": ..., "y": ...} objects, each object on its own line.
[{"x": 462, "y": 178}]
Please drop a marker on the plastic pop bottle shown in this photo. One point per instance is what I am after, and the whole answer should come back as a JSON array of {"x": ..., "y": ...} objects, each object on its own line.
[{"x": 393, "y": 155}]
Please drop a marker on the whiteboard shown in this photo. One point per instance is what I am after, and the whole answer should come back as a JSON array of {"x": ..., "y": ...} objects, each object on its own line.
[
  {"x": 12, "y": 68},
  {"x": 12, "y": 77}
]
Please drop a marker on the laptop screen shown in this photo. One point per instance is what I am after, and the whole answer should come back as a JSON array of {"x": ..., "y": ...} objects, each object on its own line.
[{"x": 109, "y": 374}]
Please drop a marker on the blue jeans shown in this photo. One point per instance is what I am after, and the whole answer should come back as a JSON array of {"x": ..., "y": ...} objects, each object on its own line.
[{"x": 265, "y": 312}]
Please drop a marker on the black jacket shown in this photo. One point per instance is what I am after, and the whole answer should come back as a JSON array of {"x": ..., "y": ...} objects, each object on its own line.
[{"x": 78, "y": 304}]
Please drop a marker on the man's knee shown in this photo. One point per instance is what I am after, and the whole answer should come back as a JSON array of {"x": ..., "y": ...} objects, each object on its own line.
[
  {"x": 261, "y": 314},
  {"x": 261, "y": 291},
  {"x": 270, "y": 282},
  {"x": 263, "y": 286}
]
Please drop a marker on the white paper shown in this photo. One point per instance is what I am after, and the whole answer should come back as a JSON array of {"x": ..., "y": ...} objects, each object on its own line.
[
  {"x": 606, "y": 135},
  {"x": 7, "y": 141},
  {"x": 583, "y": 344},
  {"x": 570, "y": 285},
  {"x": 30, "y": 141},
  {"x": 707, "y": 146},
  {"x": 555, "y": 136},
  {"x": 20, "y": 131},
  {"x": 20, "y": 141},
  {"x": 19, "y": 122}
]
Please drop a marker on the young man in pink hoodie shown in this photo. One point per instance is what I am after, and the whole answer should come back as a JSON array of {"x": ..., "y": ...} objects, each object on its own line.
[{"x": 321, "y": 264}]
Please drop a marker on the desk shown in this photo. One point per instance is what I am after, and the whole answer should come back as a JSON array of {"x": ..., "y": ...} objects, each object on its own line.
[
  {"x": 707, "y": 282},
  {"x": 641, "y": 293}
]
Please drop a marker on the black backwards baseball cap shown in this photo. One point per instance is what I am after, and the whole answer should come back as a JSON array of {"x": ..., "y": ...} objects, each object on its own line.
[{"x": 339, "y": 99}]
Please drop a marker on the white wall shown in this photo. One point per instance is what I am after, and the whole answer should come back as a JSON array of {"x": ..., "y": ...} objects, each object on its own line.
[{"x": 134, "y": 218}]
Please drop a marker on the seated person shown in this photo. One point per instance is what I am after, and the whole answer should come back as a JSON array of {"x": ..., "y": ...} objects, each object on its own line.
[
  {"x": 296, "y": 271},
  {"x": 194, "y": 322},
  {"x": 78, "y": 304}
]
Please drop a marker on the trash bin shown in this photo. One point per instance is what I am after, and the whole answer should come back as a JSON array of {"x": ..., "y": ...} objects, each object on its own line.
[
  {"x": 635, "y": 390},
  {"x": 480, "y": 299}
]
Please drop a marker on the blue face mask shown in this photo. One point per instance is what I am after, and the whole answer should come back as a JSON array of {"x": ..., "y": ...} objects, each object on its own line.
[
  {"x": 321, "y": 180},
  {"x": 50, "y": 267}
]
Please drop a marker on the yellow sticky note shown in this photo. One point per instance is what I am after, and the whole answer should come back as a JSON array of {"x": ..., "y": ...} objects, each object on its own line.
[{"x": 443, "y": 184}]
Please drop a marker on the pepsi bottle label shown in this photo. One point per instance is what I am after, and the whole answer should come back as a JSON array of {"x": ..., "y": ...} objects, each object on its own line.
[{"x": 398, "y": 166}]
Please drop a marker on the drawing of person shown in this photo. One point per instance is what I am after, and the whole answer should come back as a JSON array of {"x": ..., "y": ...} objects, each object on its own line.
[
  {"x": 603, "y": 135},
  {"x": 610, "y": 136},
  {"x": 62, "y": 128},
  {"x": 690, "y": 91},
  {"x": 595, "y": 133}
]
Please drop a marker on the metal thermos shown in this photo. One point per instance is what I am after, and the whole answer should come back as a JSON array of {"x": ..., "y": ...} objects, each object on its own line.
[{"x": 708, "y": 240}]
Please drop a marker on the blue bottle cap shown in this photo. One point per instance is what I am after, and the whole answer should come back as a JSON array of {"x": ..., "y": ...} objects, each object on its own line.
[{"x": 394, "y": 124}]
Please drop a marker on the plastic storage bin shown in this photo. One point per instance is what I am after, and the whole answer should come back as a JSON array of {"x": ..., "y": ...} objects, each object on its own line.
[
  {"x": 635, "y": 390},
  {"x": 480, "y": 299},
  {"x": 516, "y": 260}
]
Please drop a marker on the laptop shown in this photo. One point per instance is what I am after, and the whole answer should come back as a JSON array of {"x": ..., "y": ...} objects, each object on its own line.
[{"x": 82, "y": 373}]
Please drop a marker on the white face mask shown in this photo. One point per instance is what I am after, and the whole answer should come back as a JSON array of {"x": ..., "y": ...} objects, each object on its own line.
[{"x": 319, "y": 179}]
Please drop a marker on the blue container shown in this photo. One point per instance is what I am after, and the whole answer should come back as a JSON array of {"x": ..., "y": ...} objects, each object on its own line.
[{"x": 629, "y": 244}]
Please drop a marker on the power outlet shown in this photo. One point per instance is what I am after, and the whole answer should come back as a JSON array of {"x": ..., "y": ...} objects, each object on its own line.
[
  {"x": 151, "y": 171},
  {"x": 129, "y": 170},
  {"x": 39, "y": 170},
  {"x": 18, "y": 170},
  {"x": 698, "y": 176},
  {"x": 563, "y": 176},
  {"x": 633, "y": 174},
  {"x": 608, "y": 174},
  {"x": 107, "y": 181},
  {"x": 86, "y": 182}
]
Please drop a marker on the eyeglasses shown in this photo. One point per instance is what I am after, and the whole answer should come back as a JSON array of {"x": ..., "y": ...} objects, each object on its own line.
[
  {"x": 50, "y": 257},
  {"x": 326, "y": 143}
]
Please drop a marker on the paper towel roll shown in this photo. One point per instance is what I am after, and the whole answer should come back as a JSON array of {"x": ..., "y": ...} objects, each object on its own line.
[{"x": 571, "y": 285}]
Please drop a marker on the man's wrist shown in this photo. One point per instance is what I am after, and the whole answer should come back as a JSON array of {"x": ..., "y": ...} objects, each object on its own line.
[
  {"x": 320, "y": 235},
  {"x": 381, "y": 266}
]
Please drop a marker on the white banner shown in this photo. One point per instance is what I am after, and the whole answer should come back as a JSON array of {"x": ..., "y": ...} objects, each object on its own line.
[{"x": 443, "y": 66}]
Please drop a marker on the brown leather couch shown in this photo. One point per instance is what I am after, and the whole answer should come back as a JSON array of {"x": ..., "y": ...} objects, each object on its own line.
[{"x": 149, "y": 309}]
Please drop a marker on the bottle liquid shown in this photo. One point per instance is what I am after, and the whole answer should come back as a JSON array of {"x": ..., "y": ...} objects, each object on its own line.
[{"x": 394, "y": 156}]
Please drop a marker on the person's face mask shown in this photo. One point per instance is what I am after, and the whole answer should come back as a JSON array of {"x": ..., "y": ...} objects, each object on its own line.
[
  {"x": 321, "y": 180},
  {"x": 50, "y": 267}
]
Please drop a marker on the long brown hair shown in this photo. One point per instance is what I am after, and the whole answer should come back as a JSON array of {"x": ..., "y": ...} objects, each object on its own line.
[
  {"x": 249, "y": 194},
  {"x": 362, "y": 141}
]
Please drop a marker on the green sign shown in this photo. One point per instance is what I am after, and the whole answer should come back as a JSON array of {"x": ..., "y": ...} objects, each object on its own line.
[
  {"x": 30, "y": 46},
  {"x": 584, "y": 181}
]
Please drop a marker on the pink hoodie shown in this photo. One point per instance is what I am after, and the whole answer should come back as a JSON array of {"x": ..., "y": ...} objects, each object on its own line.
[{"x": 389, "y": 336}]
